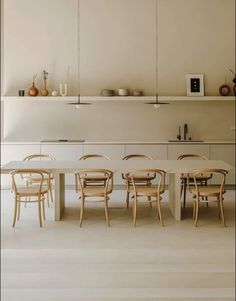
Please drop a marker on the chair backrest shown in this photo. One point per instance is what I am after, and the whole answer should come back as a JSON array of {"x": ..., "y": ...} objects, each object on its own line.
[
  {"x": 99, "y": 176},
  {"x": 137, "y": 156},
  {"x": 159, "y": 175},
  {"x": 90, "y": 156},
  {"x": 38, "y": 157},
  {"x": 41, "y": 174},
  {"x": 191, "y": 156},
  {"x": 221, "y": 173}
]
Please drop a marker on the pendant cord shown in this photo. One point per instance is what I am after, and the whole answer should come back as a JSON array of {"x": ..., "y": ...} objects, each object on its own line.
[
  {"x": 78, "y": 51},
  {"x": 156, "y": 51}
]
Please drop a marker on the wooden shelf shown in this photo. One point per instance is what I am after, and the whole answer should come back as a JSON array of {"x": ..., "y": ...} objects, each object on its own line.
[{"x": 112, "y": 99}]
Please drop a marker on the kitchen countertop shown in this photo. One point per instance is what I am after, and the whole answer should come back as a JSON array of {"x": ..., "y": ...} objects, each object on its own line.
[{"x": 121, "y": 141}]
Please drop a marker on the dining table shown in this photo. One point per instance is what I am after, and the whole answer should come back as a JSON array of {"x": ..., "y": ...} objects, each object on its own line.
[{"x": 173, "y": 168}]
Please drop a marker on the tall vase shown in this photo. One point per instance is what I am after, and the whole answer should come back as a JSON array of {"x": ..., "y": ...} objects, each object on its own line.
[
  {"x": 44, "y": 91},
  {"x": 33, "y": 91}
]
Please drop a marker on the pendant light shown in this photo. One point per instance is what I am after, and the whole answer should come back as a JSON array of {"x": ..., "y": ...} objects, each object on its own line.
[
  {"x": 79, "y": 104},
  {"x": 156, "y": 104}
]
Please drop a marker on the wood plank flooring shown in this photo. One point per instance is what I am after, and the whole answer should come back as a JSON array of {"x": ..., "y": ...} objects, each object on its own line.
[{"x": 62, "y": 261}]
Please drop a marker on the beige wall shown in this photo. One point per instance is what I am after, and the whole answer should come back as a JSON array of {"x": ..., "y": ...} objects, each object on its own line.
[{"x": 117, "y": 50}]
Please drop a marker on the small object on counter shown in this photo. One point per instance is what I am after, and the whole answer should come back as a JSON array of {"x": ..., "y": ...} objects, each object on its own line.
[
  {"x": 137, "y": 93},
  {"x": 65, "y": 90},
  {"x": 107, "y": 92},
  {"x": 123, "y": 92},
  {"x": 44, "y": 91},
  {"x": 21, "y": 92},
  {"x": 234, "y": 81},
  {"x": 179, "y": 134},
  {"x": 54, "y": 93},
  {"x": 224, "y": 90},
  {"x": 33, "y": 91}
]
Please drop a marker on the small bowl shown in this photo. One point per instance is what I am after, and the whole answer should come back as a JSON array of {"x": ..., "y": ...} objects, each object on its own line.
[
  {"x": 137, "y": 93},
  {"x": 107, "y": 92},
  {"x": 123, "y": 92}
]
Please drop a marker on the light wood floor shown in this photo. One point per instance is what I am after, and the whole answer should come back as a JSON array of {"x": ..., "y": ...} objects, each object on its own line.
[{"x": 64, "y": 262}]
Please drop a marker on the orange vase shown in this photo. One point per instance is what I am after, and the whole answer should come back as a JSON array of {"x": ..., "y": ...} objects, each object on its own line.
[{"x": 33, "y": 91}]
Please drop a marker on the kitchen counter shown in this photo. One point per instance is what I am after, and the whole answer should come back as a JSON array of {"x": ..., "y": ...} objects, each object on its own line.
[{"x": 121, "y": 141}]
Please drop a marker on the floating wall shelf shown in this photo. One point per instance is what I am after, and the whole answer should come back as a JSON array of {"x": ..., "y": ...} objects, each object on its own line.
[{"x": 111, "y": 99}]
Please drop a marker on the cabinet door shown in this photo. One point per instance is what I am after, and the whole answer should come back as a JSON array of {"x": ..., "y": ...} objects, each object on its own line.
[
  {"x": 64, "y": 152},
  {"x": 15, "y": 152},
  {"x": 225, "y": 152},
  {"x": 157, "y": 152},
  {"x": 115, "y": 152},
  {"x": 176, "y": 150}
]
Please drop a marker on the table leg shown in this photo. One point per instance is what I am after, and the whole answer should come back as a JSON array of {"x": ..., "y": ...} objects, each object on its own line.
[
  {"x": 59, "y": 195},
  {"x": 174, "y": 195}
]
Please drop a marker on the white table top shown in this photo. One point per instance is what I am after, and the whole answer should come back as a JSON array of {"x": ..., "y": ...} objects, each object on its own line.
[{"x": 170, "y": 166}]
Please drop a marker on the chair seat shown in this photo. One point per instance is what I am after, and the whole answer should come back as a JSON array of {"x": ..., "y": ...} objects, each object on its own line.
[
  {"x": 31, "y": 191},
  {"x": 92, "y": 178},
  {"x": 142, "y": 178},
  {"x": 95, "y": 191},
  {"x": 199, "y": 178},
  {"x": 207, "y": 191},
  {"x": 146, "y": 191},
  {"x": 35, "y": 179}
]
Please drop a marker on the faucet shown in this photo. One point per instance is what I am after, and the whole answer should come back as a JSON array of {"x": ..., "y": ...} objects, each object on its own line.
[
  {"x": 185, "y": 131},
  {"x": 179, "y": 134}
]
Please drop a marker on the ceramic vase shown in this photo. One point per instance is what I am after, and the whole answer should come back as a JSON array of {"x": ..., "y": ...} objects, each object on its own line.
[{"x": 33, "y": 91}]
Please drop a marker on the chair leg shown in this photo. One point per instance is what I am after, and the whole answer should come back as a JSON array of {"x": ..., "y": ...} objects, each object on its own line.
[
  {"x": 81, "y": 212},
  {"x": 50, "y": 190},
  {"x": 106, "y": 211},
  {"x": 43, "y": 207},
  {"x": 40, "y": 211},
  {"x": 149, "y": 201},
  {"x": 222, "y": 211},
  {"x": 185, "y": 186},
  {"x": 218, "y": 204},
  {"x": 18, "y": 213},
  {"x": 149, "y": 198},
  {"x": 159, "y": 210},
  {"x": 134, "y": 211},
  {"x": 127, "y": 199},
  {"x": 181, "y": 189},
  {"x": 196, "y": 212},
  {"x": 48, "y": 199},
  {"x": 15, "y": 213},
  {"x": 207, "y": 204}
]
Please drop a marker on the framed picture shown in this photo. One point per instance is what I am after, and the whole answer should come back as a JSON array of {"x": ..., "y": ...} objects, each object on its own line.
[{"x": 195, "y": 84}]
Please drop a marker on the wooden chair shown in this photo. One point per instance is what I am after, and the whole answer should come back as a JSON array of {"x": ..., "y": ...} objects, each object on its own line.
[
  {"x": 184, "y": 177},
  {"x": 96, "y": 156},
  {"x": 101, "y": 187},
  {"x": 152, "y": 190},
  {"x": 92, "y": 179},
  {"x": 215, "y": 191},
  {"x": 143, "y": 181},
  {"x": 36, "y": 194},
  {"x": 31, "y": 181}
]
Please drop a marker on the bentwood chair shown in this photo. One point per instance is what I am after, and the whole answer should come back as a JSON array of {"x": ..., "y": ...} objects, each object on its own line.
[
  {"x": 214, "y": 193},
  {"x": 101, "y": 187},
  {"x": 36, "y": 194},
  {"x": 153, "y": 191},
  {"x": 202, "y": 179},
  {"x": 91, "y": 178},
  {"x": 32, "y": 181},
  {"x": 142, "y": 181}
]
